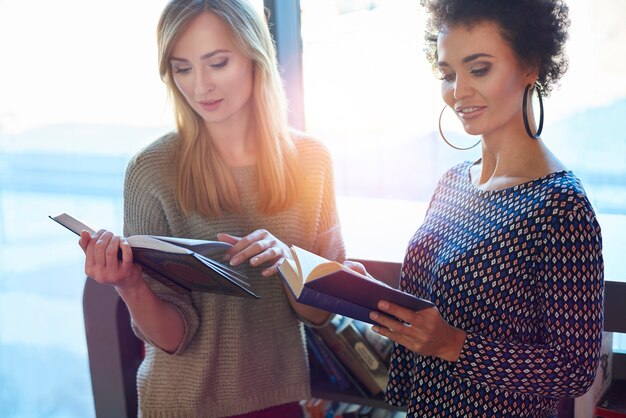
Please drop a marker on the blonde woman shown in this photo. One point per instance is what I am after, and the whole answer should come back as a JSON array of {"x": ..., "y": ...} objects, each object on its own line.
[{"x": 231, "y": 171}]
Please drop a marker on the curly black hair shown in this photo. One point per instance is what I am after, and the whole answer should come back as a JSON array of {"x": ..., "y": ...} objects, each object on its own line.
[{"x": 535, "y": 29}]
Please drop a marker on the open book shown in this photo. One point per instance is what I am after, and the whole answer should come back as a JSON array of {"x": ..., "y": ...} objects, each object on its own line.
[
  {"x": 333, "y": 287},
  {"x": 180, "y": 263}
]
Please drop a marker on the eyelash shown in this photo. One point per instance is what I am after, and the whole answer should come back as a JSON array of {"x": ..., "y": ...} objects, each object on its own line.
[
  {"x": 479, "y": 72},
  {"x": 217, "y": 66},
  {"x": 220, "y": 64},
  {"x": 447, "y": 77}
]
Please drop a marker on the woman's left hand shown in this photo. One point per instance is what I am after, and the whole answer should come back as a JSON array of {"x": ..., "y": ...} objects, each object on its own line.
[
  {"x": 259, "y": 247},
  {"x": 424, "y": 332}
]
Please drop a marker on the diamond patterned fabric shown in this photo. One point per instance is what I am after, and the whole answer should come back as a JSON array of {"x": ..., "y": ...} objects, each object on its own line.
[{"x": 521, "y": 271}]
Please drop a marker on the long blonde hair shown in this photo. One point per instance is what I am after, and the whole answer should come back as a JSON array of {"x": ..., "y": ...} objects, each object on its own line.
[{"x": 207, "y": 186}]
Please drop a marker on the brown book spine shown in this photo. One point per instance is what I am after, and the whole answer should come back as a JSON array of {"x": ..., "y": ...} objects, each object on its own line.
[
  {"x": 349, "y": 358},
  {"x": 375, "y": 365}
]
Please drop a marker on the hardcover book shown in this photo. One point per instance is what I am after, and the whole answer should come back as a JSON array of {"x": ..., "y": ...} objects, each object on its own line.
[
  {"x": 337, "y": 372},
  {"x": 333, "y": 287},
  {"x": 180, "y": 263},
  {"x": 326, "y": 361},
  {"x": 356, "y": 354},
  {"x": 380, "y": 343}
]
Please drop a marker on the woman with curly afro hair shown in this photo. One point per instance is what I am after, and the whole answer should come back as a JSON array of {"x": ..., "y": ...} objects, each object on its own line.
[{"x": 510, "y": 250}]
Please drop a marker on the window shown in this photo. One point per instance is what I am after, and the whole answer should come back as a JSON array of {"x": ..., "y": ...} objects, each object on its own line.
[
  {"x": 371, "y": 96},
  {"x": 80, "y": 95}
]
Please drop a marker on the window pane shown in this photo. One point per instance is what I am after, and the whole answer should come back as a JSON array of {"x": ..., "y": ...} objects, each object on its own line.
[
  {"x": 80, "y": 95},
  {"x": 371, "y": 96}
]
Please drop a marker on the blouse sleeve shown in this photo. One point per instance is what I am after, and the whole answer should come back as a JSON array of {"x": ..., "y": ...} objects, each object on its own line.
[
  {"x": 565, "y": 363},
  {"x": 144, "y": 214}
]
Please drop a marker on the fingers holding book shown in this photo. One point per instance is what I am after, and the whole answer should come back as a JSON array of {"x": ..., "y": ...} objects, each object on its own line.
[
  {"x": 356, "y": 266},
  {"x": 424, "y": 332},
  {"x": 260, "y": 247},
  {"x": 109, "y": 259}
]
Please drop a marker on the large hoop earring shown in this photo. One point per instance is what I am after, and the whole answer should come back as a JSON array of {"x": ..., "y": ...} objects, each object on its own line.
[
  {"x": 536, "y": 87},
  {"x": 448, "y": 142}
]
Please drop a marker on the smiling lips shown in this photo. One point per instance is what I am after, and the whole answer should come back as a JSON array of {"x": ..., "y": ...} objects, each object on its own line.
[
  {"x": 210, "y": 105},
  {"x": 469, "y": 112}
]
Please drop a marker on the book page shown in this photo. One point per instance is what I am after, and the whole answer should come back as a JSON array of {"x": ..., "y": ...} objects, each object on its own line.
[
  {"x": 72, "y": 224},
  {"x": 152, "y": 243},
  {"x": 289, "y": 271},
  {"x": 200, "y": 246},
  {"x": 312, "y": 266},
  {"x": 167, "y": 244},
  {"x": 307, "y": 262}
]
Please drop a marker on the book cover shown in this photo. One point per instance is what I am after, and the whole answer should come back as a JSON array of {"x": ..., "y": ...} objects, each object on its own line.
[
  {"x": 316, "y": 408},
  {"x": 333, "y": 366},
  {"x": 351, "y": 411},
  {"x": 375, "y": 365},
  {"x": 366, "y": 412},
  {"x": 380, "y": 343},
  {"x": 176, "y": 263},
  {"x": 357, "y": 360},
  {"x": 328, "y": 285},
  {"x": 323, "y": 357},
  {"x": 382, "y": 413}
]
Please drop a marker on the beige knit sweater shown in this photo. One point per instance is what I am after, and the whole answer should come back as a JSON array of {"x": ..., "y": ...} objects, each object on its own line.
[{"x": 238, "y": 354}]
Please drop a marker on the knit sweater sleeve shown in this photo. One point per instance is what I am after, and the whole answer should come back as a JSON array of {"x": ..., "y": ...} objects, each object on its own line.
[
  {"x": 329, "y": 241},
  {"x": 318, "y": 200},
  {"x": 145, "y": 197},
  {"x": 564, "y": 364}
]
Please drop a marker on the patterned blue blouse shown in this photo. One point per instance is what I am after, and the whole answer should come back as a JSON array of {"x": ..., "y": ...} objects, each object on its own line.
[{"x": 521, "y": 271}]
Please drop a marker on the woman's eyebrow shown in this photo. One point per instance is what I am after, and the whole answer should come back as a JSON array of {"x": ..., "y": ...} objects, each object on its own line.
[
  {"x": 475, "y": 57},
  {"x": 467, "y": 59},
  {"x": 204, "y": 57}
]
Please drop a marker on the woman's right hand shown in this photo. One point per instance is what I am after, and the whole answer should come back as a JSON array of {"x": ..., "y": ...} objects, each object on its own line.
[
  {"x": 161, "y": 322},
  {"x": 356, "y": 266},
  {"x": 102, "y": 263}
]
